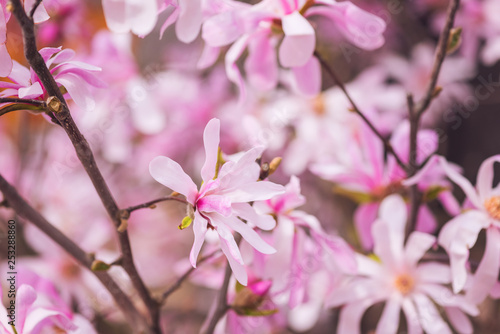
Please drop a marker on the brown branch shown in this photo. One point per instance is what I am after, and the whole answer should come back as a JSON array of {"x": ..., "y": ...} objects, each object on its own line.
[
  {"x": 26, "y": 211},
  {"x": 26, "y": 101},
  {"x": 185, "y": 276},
  {"x": 153, "y": 202},
  {"x": 85, "y": 156},
  {"x": 358, "y": 111},
  {"x": 415, "y": 113},
  {"x": 34, "y": 8},
  {"x": 439, "y": 56},
  {"x": 221, "y": 306}
]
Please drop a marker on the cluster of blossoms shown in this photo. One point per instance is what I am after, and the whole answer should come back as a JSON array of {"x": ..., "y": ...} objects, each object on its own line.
[{"x": 311, "y": 201}]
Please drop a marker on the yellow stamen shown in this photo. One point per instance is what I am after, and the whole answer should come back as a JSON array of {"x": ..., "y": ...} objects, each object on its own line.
[
  {"x": 492, "y": 205},
  {"x": 404, "y": 283}
]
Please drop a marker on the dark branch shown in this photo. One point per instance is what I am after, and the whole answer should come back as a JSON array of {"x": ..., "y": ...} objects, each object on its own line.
[
  {"x": 221, "y": 306},
  {"x": 185, "y": 276},
  {"x": 339, "y": 82},
  {"x": 151, "y": 204},
  {"x": 439, "y": 56},
  {"x": 85, "y": 156},
  {"x": 26, "y": 211},
  {"x": 34, "y": 8}
]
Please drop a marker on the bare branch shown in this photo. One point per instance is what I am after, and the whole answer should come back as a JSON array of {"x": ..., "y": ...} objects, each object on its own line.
[
  {"x": 439, "y": 56},
  {"x": 358, "y": 111},
  {"x": 34, "y": 8},
  {"x": 85, "y": 156},
  {"x": 151, "y": 204},
  {"x": 26, "y": 211}
]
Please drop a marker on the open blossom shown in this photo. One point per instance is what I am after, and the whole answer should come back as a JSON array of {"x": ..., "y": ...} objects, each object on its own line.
[
  {"x": 460, "y": 234},
  {"x": 73, "y": 75},
  {"x": 222, "y": 199},
  {"x": 259, "y": 28},
  {"x": 364, "y": 175},
  {"x": 400, "y": 281},
  {"x": 39, "y": 309}
]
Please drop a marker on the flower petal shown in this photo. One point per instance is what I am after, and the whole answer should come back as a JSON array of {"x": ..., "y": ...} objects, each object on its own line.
[
  {"x": 457, "y": 237},
  {"x": 189, "y": 22},
  {"x": 170, "y": 174},
  {"x": 237, "y": 266},
  {"x": 486, "y": 274},
  {"x": 211, "y": 142},
  {"x": 299, "y": 41},
  {"x": 459, "y": 320},
  {"x": 261, "y": 66},
  {"x": 430, "y": 319},
  {"x": 418, "y": 243},
  {"x": 307, "y": 78},
  {"x": 25, "y": 297},
  {"x": 387, "y": 323},
  {"x": 484, "y": 182},
  {"x": 199, "y": 229},
  {"x": 5, "y": 61},
  {"x": 246, "y": 211},
  {"x": 249, "y": 235},
  {"x": 31, "y": 92}
]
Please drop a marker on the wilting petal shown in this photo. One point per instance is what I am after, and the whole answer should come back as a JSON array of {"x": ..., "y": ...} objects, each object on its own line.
[
  {"x": 249, "y": 235},
  {"x": 484, "y": 183},
  {"x": 199, "y": 229},
  {"x": 170, "y": 174},
  {"x": 31, "y": 92},
  {"x": 211, "y": 143},
  {"x": 308, "y": 77},
  {"x": 299, "y": 41},
  {"x": 457, "y": 237},
  {"x": 189, "y": 21},
  {"x": 486, "y": 274}
]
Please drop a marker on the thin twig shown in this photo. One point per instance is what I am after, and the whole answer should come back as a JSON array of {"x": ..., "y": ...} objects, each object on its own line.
[
  {"x": 439, "y": 56},
  {"x": 26, "y": 101},
  {"x": 358, "y": 111},
  {"x": 26, "y": 211},
  {"x": 185, "y": 276},
  {"x": 85, "y": 156},
  {"x": 415, "y": 113},
  {"x": 153, "y": 202},
  {"x": 34, "y": 8}
]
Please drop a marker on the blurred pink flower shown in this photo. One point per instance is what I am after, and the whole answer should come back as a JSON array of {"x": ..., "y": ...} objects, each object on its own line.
[
  {"x": 460, "y": 234},
  {"x": 222, "y": 199},
  {"x": 137, "y": 16},
  {"x": 401, "y": 282},
  {"x": 73, "y": 75},
  {"x": 260, "y": 27}
]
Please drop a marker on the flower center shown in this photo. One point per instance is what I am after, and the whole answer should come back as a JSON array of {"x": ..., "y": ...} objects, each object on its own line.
[
  {"x": 492, "y": 205},
  {"x": 404, "y": 283}
]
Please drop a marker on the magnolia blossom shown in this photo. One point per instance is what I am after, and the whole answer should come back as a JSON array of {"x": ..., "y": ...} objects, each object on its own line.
[
  {"x": 401, "y": 282},
  {"x": 364, "y": 175},
  {"x": 460, "y": 234},
  {"x": 73, "y": 75},
  {"x": 38, "y": 309},
  {"x": 222, "y": 199},
  {"x": 256, "y": 27}
]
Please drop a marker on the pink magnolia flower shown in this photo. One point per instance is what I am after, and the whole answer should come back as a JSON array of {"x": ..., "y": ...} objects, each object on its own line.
[
  {"x": 70, "y": 74},
  {"x": 364, "y": 175},
  {"x": 260, "y": 27},
  {"x": 401, "y": 282},
  {"x": 38, "y": 309},
  {"x": 137, "y": 16},
  {"x": 460, "y": 234},
  {"x": 187, "y": 15},
  {"x": 222, "y": 198},
  {"x": 308, "y": 261}
]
